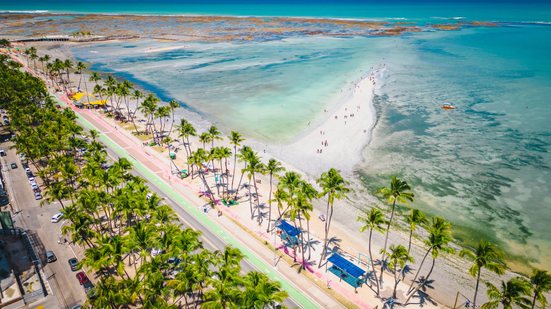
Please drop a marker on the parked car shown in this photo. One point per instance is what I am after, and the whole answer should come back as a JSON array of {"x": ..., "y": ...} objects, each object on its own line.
[
  {"x": 32, "y": 180},
  {"x": 82, "y": 278},
  {"x": 77, "y": 307},
  {"x": 50, "y": 256},
  {"x": 73, "y": 262},
  {"x": 2, "y": 153},
  {"x": 34, "y": 186},
  {"x": 88, "y": 286},
  {"x": 57, "y": 217},
  {"x": 13, "y": 165},
  {"x": 37, "y": 196}
]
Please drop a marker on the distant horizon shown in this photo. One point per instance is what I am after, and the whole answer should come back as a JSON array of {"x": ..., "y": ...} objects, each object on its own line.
[{"x": 272, "y": 2}]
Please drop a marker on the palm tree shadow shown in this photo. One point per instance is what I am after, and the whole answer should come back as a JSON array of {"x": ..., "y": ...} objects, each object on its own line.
[
  {"x": 406, "y": 270},
  {"x": 422, "y": 294},
  {"x": 335, "y": 248}
]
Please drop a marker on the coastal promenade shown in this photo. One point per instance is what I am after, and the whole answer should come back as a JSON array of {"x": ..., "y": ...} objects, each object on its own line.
[
  {"x": 313, "y": 288},
  {"x": 301, "y": 291}
]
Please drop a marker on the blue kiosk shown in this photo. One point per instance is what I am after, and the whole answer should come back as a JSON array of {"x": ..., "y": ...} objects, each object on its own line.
[
  {"x": 346, "y": 270},
  {"x": 289, "y": 234}
]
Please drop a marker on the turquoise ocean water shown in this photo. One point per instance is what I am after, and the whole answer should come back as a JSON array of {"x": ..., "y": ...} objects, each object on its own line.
[{"x": 485, "y": 166}]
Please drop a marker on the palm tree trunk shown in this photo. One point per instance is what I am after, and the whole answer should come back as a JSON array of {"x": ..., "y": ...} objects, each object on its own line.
[
  {"x": 418, "y": 270},
  {"x": 409, "y": 242},
  {"x": 302, "y": 244},
  {"x": 250, "y": 200},
  {"x": 534, "y": 300},
  {"x": 257, "y": 199},
  {"x": 396, "y": 281},
  {"x": 234, "y": 164},
  {"x": 270, "y": 209},
  {"x": 386, "y": 240},
  {"x": 308, "y": 240},
  {"x": 324, "y": 248},
  {"x": 426, "y": 279},
  {"x": 476, "y": 288},
  {"x": 373, "y": 263},
  {"x": 239, "y": 185}
]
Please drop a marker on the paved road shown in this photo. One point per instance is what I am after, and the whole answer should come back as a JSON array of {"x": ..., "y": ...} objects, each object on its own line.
[{"x": 31, "y": 216}]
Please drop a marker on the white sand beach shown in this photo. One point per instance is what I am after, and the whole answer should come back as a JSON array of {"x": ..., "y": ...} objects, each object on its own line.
[{"x": 337, "y": 142}]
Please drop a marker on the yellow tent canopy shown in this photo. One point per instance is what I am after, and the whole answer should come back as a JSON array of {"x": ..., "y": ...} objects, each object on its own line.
[{"x": 84, "y": 98}]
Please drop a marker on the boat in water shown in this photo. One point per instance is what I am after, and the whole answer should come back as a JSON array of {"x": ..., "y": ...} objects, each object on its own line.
[{"x": 448, "y": 106}]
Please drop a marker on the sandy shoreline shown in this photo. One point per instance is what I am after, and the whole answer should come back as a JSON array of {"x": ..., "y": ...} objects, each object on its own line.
[{"x": 339, "y": 139}]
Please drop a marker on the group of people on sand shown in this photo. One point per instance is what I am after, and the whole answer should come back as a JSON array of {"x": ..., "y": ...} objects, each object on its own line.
[{"x": 370, "y": 75}]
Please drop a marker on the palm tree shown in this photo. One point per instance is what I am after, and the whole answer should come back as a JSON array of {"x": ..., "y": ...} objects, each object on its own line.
[
  {"x": 440, "y": 236},
  {"x": 253, "y": 166},
  {"x": 513, "y": 292},
  {"x": 272, "y": 168},
  {"x": 136, "y": 95},
  {"x": 80, "y": 68},
  {"x": 149, "y": 108},
  {"x": 235, "y": 139},
  {"x": 68, "y": 64},
  {"x": 214, "y": 134},
  {"x": 186, "y": 130},
  {"x": 205, "y": 138},
  {"x": 541, "y": 283},
  {"x": 33, "y": 56},
  {"x": 399, "y": 191},
  {"x": 415, "y": 218},
  {"x": 244, "y": 154},
  {"x": 486, "y": 256},
  {"x": 261, "y": 292},
  {"x": 398, "y": 258},
  {"x": 334, "y": 187},
  {"x": 173, "y": 104},
  {"x": 58, "y": 191},
  {"x": 95, "y": 78},
  {"x": 162, "y": 112},
  {"x": 372, "y": 220}
]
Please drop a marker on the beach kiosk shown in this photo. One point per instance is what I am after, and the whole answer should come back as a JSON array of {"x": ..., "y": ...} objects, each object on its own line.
[
  {"x": 346, "y": 270},
  {"x": 289, "y": 234}
]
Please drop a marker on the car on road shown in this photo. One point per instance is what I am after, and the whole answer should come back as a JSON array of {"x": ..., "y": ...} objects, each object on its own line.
[
  {"x": 82, "y": 278},
  {"x": 57, "y": 217},
  {"x": 73, "y": 262},
  {"x": 50, "y": 256},
  {"x": 13, "y": 166},
  {"x": 88, "y": 286},
  {"x": 85, "y": 281},
  {"x": 37, "y": 196}
]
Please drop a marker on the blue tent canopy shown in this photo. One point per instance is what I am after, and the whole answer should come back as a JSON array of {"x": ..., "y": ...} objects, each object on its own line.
[
  {"x": 289, "y": 229},
  {"x": 346, "y": 265}
]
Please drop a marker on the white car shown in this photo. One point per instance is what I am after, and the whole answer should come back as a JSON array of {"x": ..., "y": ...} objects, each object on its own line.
[
  {"x": 57, "y": 217},
  {"x": 32, "y": 180}
]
